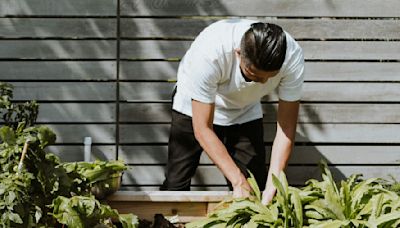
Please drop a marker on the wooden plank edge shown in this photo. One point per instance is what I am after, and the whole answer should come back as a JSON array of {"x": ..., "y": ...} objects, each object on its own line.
[{"x": 170, "y": 196}]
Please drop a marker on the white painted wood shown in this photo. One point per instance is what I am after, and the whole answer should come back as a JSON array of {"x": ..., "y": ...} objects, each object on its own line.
[
  {"x": 57, "y": 70},
  {"x": 58, "y": 8},
  {"x": 309, "y": 113},
  {"x": 312, "y": 92},
  {"x": 315, "y": 29},
  {"x": 297, "y": 175},
  {"x": 72, "y": 28},
  {"x": 170, "y": 196},
  {"x": 65, "y": 91},
  {"x": 313, "y": 50},
  {"x": 314, "y": 133},
  {"x": 76, "y": 112},
  {"x": 73, "y": 153},
  {"x": 57, "y": 49},
  {"x": 75, "y": 133},
  {"x": 288, "y": 8},
  {"x": 315, "y": 71},
  {"x": 336, "y": 155}
]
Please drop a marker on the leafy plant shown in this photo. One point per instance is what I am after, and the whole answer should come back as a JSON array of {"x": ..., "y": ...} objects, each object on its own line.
[
  {"x": 355, "y": 203},
  {"x": 16, "y": 114},
  {"x": 27, "y": 195},
  {"x": 13, "y": 198},
  {"x": 95, "y": 171},
  {"x": 82, "y": 211}
]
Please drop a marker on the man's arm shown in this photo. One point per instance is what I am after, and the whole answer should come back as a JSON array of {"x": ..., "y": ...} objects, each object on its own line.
[
  {"x": 202, "y": 117},
  {"x": 283, "y": 144}
]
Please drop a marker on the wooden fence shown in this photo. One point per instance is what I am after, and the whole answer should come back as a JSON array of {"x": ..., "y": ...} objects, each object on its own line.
[{"x": 103, "y": 68}]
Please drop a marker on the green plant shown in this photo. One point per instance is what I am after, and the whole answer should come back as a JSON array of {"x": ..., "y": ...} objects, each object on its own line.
[
  {"x": 16, "y": 114},
  {"x": 355, "y": 203},
  {"x": 95, "y": 171},
  {"x": 27, "y": 195},
  {"x": 82, "y": 211}
]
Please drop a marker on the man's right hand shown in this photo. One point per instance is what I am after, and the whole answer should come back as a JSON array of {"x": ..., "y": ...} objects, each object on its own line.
[{"x": 241, "y": 189}]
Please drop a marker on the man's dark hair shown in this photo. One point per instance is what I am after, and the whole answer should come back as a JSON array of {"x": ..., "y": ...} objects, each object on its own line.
[{"x": 264, "y": 46}]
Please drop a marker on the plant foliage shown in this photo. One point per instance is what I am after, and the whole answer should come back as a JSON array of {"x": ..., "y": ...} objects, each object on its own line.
[
  {"x": 44, "y": 192},
  {"x": 354, "y": 203}
]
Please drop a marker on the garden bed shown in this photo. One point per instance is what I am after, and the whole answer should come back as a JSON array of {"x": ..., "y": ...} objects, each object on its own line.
[{"x": 186, "y": 206}]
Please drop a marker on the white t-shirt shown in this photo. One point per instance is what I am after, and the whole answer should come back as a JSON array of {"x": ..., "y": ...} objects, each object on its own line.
[{"x": 209, "y": 72}]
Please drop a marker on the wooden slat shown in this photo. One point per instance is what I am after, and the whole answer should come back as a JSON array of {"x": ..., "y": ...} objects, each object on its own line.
[
  {"x": 157, "y": 188},
  {"x": 76, "y": 112},
  {"x": 146, "y": 91},
  {"x": 60, "y": 70},
  {"x": 352, "y": 71},
  {"x": 290, "y": 8},
  {"x": 353, "y": 92},
  {"x": 189, "y": 28},
  {"x": 313, "y": 50},
  {"x": 64, "y": 91},
  {"x": 169, "y": 196},
  {"x": 75, "y": 133},
  {"x": 338, "y": 155},
  {"x": 58, "y": 49},
  {"x": 58, "y": 27},
  {"x": 58, "y": 8},
  {"x": 187, "y": 205},
  {"x": 315, "y": 71},
  {"x": 309, "y": 113},
  {"x": 316, "y": 133},
  {"x": 349, "y": 113},
  {"x": 75, "y": 153},
  {"x": 336, "y": 92},
  {"x": 297, "y": 175},
  {"x": 153, "y": 49},
  {"x": 148, "y": 70}
]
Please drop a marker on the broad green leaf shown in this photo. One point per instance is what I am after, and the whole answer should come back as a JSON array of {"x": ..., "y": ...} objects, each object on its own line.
[
  {"x": 332, "y": 203},
  {"x": 253, "y": 184},
  {"x": 129, "y": 221},
  {"x": 384, "y": 219},
  {"x": 38, "y": 214},
  {"x": 377, "y": 204},
  {"x": 345, "y": 199},
  {"x": 262, "y": 218},
  {"x": 330, "y": 224},
  {"x": 46, "y": 136},
  {"x": 327, "y": 176},
  {"x": 285, "y": 185},
  {"x": 313, "y": 214},
  {"x": 278, "y": 186},
  {"x": 15, "y": 217},
  {"x": 7, "y": 135},
  {"x": 252, "y": 224},
  {"x": 298, "y": 209},
  {"x": 204, "y": 223},
  {"x": 321, "y": 207},
  {"x": 10, "y": 197}
]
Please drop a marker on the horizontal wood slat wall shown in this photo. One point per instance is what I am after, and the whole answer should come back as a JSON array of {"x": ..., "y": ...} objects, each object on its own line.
[{"x": 93, "y": 79}]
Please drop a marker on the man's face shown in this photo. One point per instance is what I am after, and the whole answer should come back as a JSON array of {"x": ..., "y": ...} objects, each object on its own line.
[{"x": 251, "y": 73}]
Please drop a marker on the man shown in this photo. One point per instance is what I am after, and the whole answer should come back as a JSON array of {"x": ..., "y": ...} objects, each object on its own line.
[{"x": 229, "y": 67}]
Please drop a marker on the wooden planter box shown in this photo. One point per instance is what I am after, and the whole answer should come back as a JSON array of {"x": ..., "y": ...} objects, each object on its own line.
[{"x": 187, "y": 205}]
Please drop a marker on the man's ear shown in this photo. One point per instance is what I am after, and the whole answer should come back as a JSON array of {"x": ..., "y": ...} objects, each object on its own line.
[{"x": 237, "y": 52}]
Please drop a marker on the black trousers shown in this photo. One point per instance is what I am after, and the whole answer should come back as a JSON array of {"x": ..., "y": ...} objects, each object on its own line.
[{"x": 244, "y": 143}]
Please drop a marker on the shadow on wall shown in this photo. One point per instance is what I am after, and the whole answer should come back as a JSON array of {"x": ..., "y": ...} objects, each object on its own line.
[{"x": 63, "y": 55}]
